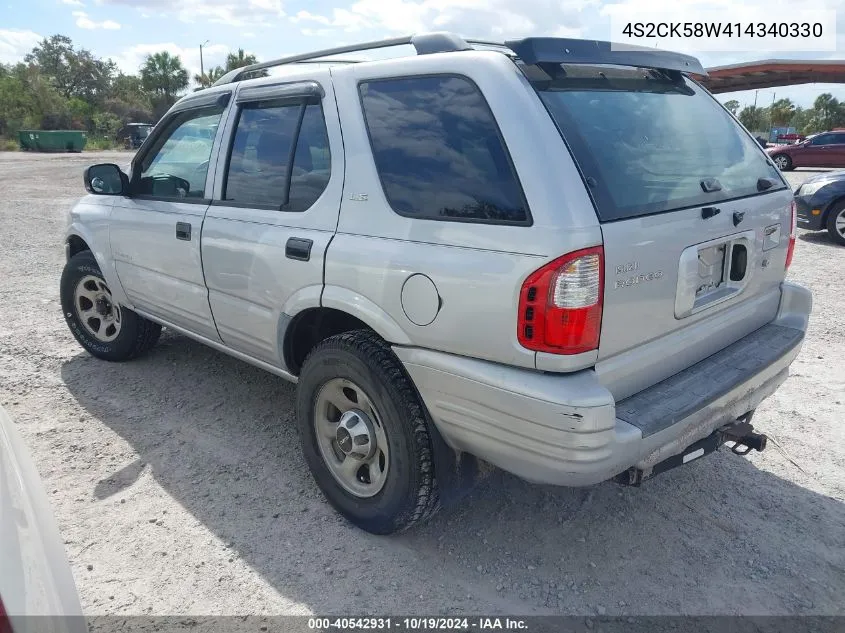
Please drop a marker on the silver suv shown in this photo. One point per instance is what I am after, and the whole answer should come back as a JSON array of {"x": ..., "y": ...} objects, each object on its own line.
[{"x": 551, "y": 256}]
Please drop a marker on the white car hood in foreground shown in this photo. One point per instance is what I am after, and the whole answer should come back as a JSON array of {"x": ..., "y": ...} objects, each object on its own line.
[{"x": 35, "y": 577}]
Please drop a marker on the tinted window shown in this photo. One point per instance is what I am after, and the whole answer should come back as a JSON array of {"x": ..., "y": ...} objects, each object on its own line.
[
  {"x": 438, "y": 151},
  {"x": 645, "y": 142},
  {"x": 837, "y": 139},
  {"x": 258, "y": 164},
  {"x": 822, "y": 139},
  {"x": 177, "y": 165}
]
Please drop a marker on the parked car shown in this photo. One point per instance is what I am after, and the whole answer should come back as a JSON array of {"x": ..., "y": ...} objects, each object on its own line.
[
  {"x": 820, "y": 204},
  {"x": 413, "y": 243},
  {"x": 36, "y": 579},
  {"x": 826, "y": 149},
  {"x": 134, "y": 134}
]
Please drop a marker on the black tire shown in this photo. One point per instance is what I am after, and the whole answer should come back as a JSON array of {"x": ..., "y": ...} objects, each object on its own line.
[
  {"x": 409, "y": 493},
  {"x": 837, "y": 211},
  {"x": 137, "y": 335},
  {"x": 788, "y": 166}
]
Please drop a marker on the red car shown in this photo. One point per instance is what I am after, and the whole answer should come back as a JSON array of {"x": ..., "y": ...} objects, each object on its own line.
[{"x": 820, "y": 150}]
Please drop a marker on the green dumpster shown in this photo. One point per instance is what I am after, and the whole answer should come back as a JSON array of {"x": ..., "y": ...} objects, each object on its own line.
[{"x": 52, "y": 140}]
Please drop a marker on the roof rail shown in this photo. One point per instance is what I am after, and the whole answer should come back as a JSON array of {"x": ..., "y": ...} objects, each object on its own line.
[
  {"x": 531, "y": 50},
  {"x": 424, "y": 43}
]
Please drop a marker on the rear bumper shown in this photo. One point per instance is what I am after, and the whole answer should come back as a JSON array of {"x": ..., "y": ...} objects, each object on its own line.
[{"x": 566, "y": 429}]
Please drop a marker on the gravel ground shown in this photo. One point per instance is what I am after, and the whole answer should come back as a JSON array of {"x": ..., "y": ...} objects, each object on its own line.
[{"x": 179, "y": 487}]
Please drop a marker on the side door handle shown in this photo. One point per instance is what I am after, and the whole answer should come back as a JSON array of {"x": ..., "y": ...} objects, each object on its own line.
[
  {"x": 183, "y": 231},
  {"x": 298, "y": 248}
]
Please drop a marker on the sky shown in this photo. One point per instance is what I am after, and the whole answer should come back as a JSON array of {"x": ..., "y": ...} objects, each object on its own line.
[{"x": 127, "y": 30}]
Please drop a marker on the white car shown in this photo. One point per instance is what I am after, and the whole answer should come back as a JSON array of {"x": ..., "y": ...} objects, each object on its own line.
[{"x": 36, "y": 579}]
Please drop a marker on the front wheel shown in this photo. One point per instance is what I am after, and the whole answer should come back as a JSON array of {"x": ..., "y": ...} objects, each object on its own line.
[
  {"x": 365, "y": 434},
  {"x": 782, "y": 162},
  {"x": 836, "y": 223},
  {"x": 104, "y": 328}
]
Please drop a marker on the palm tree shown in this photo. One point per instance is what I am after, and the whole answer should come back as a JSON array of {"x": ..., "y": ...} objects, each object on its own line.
[
  {"x": 213, "y": 74},
  {"x": 752, "y": 118},
  {"x": 781, "y": 112},
  {"x": 163, "y": 75},
  {"x": 828, "y": 112},
  {"x": 239, "y": 60}
]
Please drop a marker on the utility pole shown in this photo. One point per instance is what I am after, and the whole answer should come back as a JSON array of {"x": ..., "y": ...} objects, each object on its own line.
[{"x": 202, "y": 68}]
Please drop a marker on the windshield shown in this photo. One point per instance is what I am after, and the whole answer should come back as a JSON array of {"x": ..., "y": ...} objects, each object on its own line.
[{"x": 648, "y": 143}]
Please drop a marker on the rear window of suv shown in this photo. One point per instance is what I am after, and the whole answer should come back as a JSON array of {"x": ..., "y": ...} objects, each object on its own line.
[{"x": 644, "y": 142}]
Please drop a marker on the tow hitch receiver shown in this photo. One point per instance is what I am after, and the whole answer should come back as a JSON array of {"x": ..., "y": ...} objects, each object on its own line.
[{"x": 741, "y": 433}]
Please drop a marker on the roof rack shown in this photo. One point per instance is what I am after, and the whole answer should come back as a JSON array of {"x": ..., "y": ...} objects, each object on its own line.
[
  {"x": 424, "y": 43},
  {"x": 531, "y": 50}
]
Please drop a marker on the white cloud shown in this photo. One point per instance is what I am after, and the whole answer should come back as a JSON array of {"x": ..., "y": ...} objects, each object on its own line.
[
  {"x": 235, "y": 13},
  {"x": 15, "y": 43},
  {"x": 73, "y": 3},
  {"x": 131, "y": 59},
  {"x": 85, "y": 22},
  {"x": 480, "y": 18}
]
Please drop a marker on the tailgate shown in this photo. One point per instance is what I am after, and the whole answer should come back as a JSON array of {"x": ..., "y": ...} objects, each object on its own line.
[
  {"x": 695, "y": 219},
  {"x": 671, "y": 271}
]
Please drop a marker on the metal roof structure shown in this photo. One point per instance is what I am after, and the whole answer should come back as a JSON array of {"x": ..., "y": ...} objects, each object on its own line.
[{"x": 772, "y": 73}]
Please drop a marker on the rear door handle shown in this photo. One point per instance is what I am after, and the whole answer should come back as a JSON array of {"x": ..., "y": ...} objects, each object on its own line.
[
  {"x": 298, "y": 248},
  {"x": 183, "y": 231}
]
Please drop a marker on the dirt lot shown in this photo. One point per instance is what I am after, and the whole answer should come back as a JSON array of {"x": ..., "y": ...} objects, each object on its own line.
[{"x": 179, "y": 486}]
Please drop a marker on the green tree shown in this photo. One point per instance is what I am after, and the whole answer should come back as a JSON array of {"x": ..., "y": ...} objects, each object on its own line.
[
  {"x": 129, "y": 101},
  {"x": 74, "y": 73},
  {"x": 781, "y": 112},
  {"x": 239, "y": 60},
  {"x": 828, "y": 113},
  {"x": 753, "y": 118},
  {"x": 29, "y": 101},
  {"x": 800, "y": 119},
  {"x": 213, "y": 74},
  {"x": 732, "y": 106},
  {"x": 164, "y": 76},
  {"x": 107, "y": 124}
]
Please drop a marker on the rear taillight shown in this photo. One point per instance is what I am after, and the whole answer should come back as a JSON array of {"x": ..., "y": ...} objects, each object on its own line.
[
  {"x": 792, "y": 229},
  {"x": 560, "y": 304},
  {"x": 5, "y": 623}
]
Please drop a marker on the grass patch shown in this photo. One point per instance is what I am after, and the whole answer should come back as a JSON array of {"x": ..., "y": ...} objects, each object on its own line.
[
  {"x": 95, "y": 144},
  {"x": 9, "y": 145}
]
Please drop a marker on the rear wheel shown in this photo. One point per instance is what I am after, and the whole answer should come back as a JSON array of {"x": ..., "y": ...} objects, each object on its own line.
[
  {"x": 836, "y": 223},
  {"x": 782, "y": 161},
  {"x": 104, "y": 328},
  {"x": 365, "y": 433}
]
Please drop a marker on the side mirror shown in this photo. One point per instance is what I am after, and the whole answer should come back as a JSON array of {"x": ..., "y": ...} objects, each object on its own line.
[{"x": 105, "y": 179}]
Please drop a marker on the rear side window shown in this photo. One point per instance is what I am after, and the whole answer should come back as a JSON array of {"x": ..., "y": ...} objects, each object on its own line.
[
  {"x": 645, "y": 141},
  {"x": 439, "y": 152},
  {"x": 264, "y": 169}
]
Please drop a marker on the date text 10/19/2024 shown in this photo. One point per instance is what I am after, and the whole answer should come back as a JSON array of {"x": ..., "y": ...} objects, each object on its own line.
[{"x": 417, "y": 624}]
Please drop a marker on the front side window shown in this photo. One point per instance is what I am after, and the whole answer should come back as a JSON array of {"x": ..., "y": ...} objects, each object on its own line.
[
  {"x": 177, "y": 165},
  {"x": 822, "y": 139},
  {"x": 438, "y": 151},
  {"x": 260, "y": 172}
]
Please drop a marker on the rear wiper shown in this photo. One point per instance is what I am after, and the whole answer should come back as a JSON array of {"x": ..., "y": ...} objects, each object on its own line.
[{"x": 710, "y": 185}]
